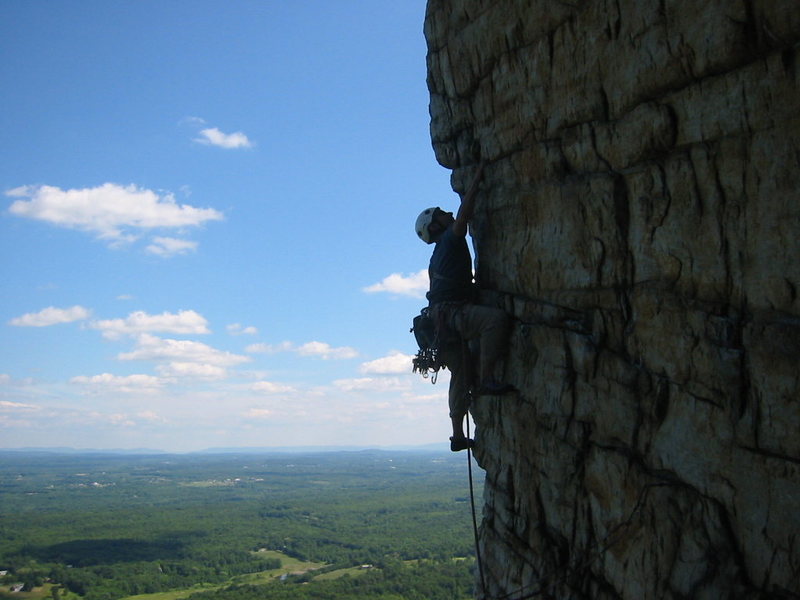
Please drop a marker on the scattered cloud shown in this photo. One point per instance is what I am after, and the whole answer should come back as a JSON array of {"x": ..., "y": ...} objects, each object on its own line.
[
  {"x": 393, "y": 364},
  {"x": 6, "y": 405},
  {"x": 238, "y": 329},
  {"x": 414, "y": 285},
  {"x": 259, "y": 413},
  {"x": 112, "y": 212},
  {"x": 104, "y": 405},
  {"x": 51, "y": 316},
  {"x": 151, "y": 416},
  {"x": 269, "y": 387},
  {"x": 183, "y": 358},
  {"x": 325, "y": 351},
  {"x": 115, "y": 419},
  {"x": 119, "y": 383},
  {"x": 183, "y": 322},
  {"x": 214, "y": 137},
  {"x": 269, "y": 348},
  {"x": 7, "y": 380},
  {"x": 179, "y": 369},
  {"x": 167, "y": 246},
  {"x": 318, "y": 349},
  {"x": 370, "y": 384},
  {"x": 151, "y": 347}
]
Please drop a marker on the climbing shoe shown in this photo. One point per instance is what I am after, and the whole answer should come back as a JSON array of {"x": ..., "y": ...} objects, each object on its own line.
[
  {"x": 495, "y": 388},
  {"x": 458, "y": 444}
]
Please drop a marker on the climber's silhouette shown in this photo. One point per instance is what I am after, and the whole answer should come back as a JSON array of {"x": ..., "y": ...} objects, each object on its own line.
[{"x": 459, "y": 320}]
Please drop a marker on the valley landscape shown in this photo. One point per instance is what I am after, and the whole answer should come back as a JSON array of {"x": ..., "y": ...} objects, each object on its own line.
[{"x": 372, "y": 524}]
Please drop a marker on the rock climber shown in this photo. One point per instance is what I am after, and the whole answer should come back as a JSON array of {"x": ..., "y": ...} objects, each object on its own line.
[{"x": 459, "y": 320}]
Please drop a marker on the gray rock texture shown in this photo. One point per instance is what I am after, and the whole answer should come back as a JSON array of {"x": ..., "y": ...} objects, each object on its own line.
[{"x": 639, "y": 218}]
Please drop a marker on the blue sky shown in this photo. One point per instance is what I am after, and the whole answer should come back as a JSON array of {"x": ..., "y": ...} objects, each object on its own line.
[{"x": 207, "y": 224}]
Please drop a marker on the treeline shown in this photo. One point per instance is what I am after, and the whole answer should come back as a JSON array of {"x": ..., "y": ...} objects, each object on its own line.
[
  {"x": 111, "y": 582},
  {"x": 434, "y": 580},
  {"x": 118, "y": 580}
]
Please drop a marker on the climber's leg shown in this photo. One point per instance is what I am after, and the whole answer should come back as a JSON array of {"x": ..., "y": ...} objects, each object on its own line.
[
  {"x": 458, "y": 396},
  {"x": 491, "y": 327}
]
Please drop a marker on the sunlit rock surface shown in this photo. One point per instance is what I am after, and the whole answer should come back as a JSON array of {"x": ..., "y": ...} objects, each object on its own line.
[{"x": 640, "y": 219}]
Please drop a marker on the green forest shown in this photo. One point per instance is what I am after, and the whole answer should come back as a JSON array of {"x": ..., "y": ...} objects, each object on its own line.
[{"x": 369, "y": 524}]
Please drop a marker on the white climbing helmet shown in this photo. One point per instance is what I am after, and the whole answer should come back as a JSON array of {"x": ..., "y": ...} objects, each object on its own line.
[{"x": 423, "y": 222}]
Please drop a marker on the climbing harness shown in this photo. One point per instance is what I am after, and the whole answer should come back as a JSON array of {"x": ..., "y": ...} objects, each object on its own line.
[
  {"x": 427, "y": 362},
  {"x": 433, "y": 331}
]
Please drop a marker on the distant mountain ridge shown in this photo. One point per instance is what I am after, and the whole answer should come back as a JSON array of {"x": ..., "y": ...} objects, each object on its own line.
[{"x": 224, "y": 450}]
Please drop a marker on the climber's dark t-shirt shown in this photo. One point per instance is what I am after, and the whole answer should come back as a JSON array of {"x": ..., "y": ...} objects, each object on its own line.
[{"x": 450, "y": 270}]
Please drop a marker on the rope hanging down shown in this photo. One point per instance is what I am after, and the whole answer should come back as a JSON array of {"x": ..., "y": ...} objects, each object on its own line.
[
  {"x": 474, "y": 519},
  {"x": 478, "y": 557}
]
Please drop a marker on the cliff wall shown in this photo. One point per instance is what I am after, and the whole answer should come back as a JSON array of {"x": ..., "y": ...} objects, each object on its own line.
[{"x": 640, "y": 219}]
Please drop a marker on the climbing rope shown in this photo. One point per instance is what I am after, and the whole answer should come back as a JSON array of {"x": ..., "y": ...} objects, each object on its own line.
[
  {"x": 474, "y": 518},
  {"x": 478, "y": 557}
]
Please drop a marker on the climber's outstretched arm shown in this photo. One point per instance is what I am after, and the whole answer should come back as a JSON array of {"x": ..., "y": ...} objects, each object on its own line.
[{"x": 467, "y": 207}]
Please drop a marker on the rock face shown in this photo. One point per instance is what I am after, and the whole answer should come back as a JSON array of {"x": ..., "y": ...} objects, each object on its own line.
[{"x": 640, "y": 219}]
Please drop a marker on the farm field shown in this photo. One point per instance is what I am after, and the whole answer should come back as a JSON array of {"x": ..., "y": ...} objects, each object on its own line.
[{"x": 371, "y": 524}]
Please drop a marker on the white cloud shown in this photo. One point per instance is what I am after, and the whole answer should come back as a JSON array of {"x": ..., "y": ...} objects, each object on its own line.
[
  {"x": 414, "y": 285},
  {"x": 393, "y": 364},
  {"x": 6, "y": 379},
  {"x": 51, "y": 316},
  {"x": 153, "y": 417},
  {"x": 190, "y": 369},
  {"x": 118, "y": 419},
  {"x": 439, "y": 397},
  {"x": 259, "y": 413},
  {"x": 167, "y": 246},
  {"x": 184, "y": 322},
  {"x": 269, "y": 387},
  {"x": 110, "y": 211},
  {"x": 151, "y": 347},
  {"x": 6, "y": 405},
  {"x": 214, "y": 137},
  {"x": 183, "y": 358},
  {"x": 269, "y": 348},
  {"x": 325, "y": 351},
  {"x": 370, "y": 384},
  {"x": 119, "y": 383},
  {"x": 318, "y": 349},
  {"x": 238, "y": 329}
]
